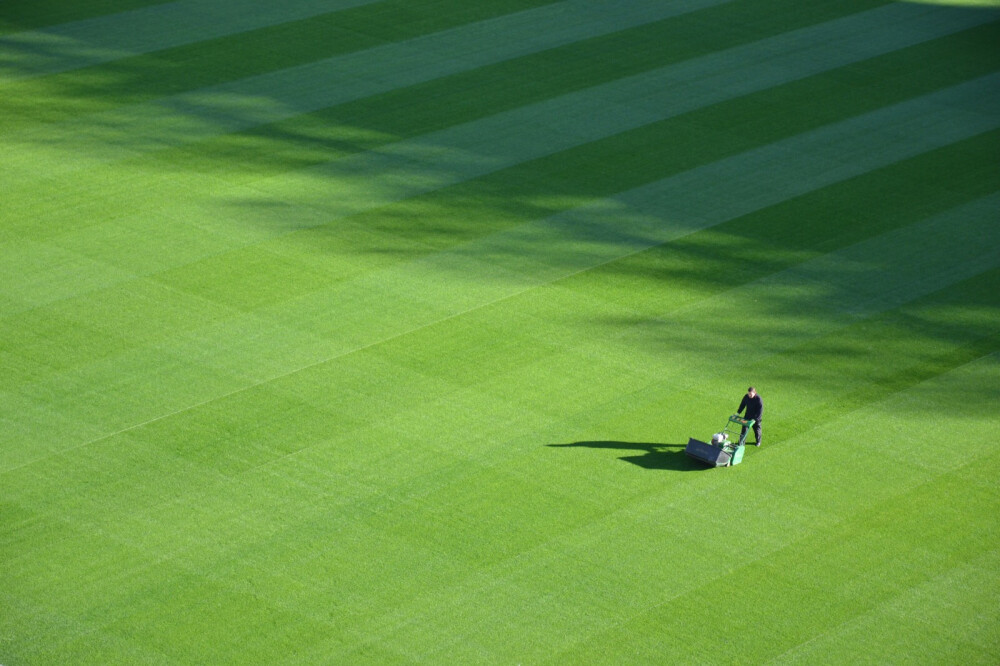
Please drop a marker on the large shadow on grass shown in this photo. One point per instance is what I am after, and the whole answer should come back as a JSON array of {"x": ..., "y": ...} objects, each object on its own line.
[
  {"x": 650, "y": 455},
  {"x": 619, "y": 258}
]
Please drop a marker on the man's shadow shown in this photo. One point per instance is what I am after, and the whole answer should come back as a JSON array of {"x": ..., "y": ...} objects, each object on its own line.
[{"x": 654, "y": 456}]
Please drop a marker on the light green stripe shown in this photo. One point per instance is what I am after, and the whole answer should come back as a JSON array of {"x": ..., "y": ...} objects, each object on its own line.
[
  {"x": 511, "y": 262},
  {"x": 92, "y": 41},
  {"x": 194, "y": 116},
  {"x": 894, "y": 268},
  {"x": 709, "y": 195},
  {"x": 411, "y": 167},
  {"x": 408, "y": 168},
  {"x": 962, "y": 598},
  {"x": 876, "y": 275}
]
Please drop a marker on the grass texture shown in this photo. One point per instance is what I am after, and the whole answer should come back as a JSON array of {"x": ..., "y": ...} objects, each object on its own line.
[{"x": 372, "y": 331}]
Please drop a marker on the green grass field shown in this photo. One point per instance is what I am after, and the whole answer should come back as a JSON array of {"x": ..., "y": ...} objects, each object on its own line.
[{"x": 372, "y": 331}]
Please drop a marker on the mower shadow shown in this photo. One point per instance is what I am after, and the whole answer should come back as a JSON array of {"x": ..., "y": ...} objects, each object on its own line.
[{"x": 655, "y": 456}]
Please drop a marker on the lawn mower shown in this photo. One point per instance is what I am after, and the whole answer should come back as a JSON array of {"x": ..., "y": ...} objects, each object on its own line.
[{"x": 722, "y": 452}]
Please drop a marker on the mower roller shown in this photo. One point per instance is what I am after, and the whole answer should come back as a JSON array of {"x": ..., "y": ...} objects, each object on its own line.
[{"x": 722, "y": 452}]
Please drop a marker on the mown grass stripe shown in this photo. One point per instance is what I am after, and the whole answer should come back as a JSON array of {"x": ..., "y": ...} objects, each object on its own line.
[
  {"x": 20, "y": 17},
  {"x": 658, "y": 283},
  {"x": 775, "y": 237},
  {"x": 484, "y": 91},
  {"x": 866, "y": 279},
  {"x": 35, "y": 208},
  {"x": 959, "y": 597},
  {"x": 733, "y": 187},
  {"x": 529, "y": 190},
  {"x": 506, "y": 263},
  {"x": 132, "y": 80},
  {"x": 662, "y": 149},
  {"x": 460, "y": 153},
  {"x": 929, "y": 336},
  {"x": 433, "y": 161},
  {"x": 92, "y": 41},
  {"x": 196, "y": 115}
]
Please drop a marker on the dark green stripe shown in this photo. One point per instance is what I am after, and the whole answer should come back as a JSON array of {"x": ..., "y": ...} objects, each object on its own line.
[
  {"x": 16, "y": 15},
  {"x": 603, "y": 168},
  {"x": 462, "y": 98},
  {"x": 920, "y": 350},
  {"x": 447, "y": 101},
  {"x": 776, "y": 238},
  {"x": 216, "y": 61}
]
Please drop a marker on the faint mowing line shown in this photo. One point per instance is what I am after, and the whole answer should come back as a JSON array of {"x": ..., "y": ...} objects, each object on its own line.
[
  {"x": 643, "y": 611},
  {"x": 266, "y": 381},
  {"x": 829, "y": 630}
]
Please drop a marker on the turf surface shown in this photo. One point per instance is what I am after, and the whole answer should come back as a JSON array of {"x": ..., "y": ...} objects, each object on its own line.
[{"x": 372, "y": 331}]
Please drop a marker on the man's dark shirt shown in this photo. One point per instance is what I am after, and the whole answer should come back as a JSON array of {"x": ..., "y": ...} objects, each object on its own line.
[{"x": 754, "y": 407}]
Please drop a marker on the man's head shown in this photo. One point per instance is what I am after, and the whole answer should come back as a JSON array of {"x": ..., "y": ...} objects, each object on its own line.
[{"x": 751, "y": 391}]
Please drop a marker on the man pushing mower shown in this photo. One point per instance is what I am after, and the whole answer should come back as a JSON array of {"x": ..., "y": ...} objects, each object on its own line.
[
  {"x": 722, "y": 452},
  {"x": 754, "y": 407}
]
